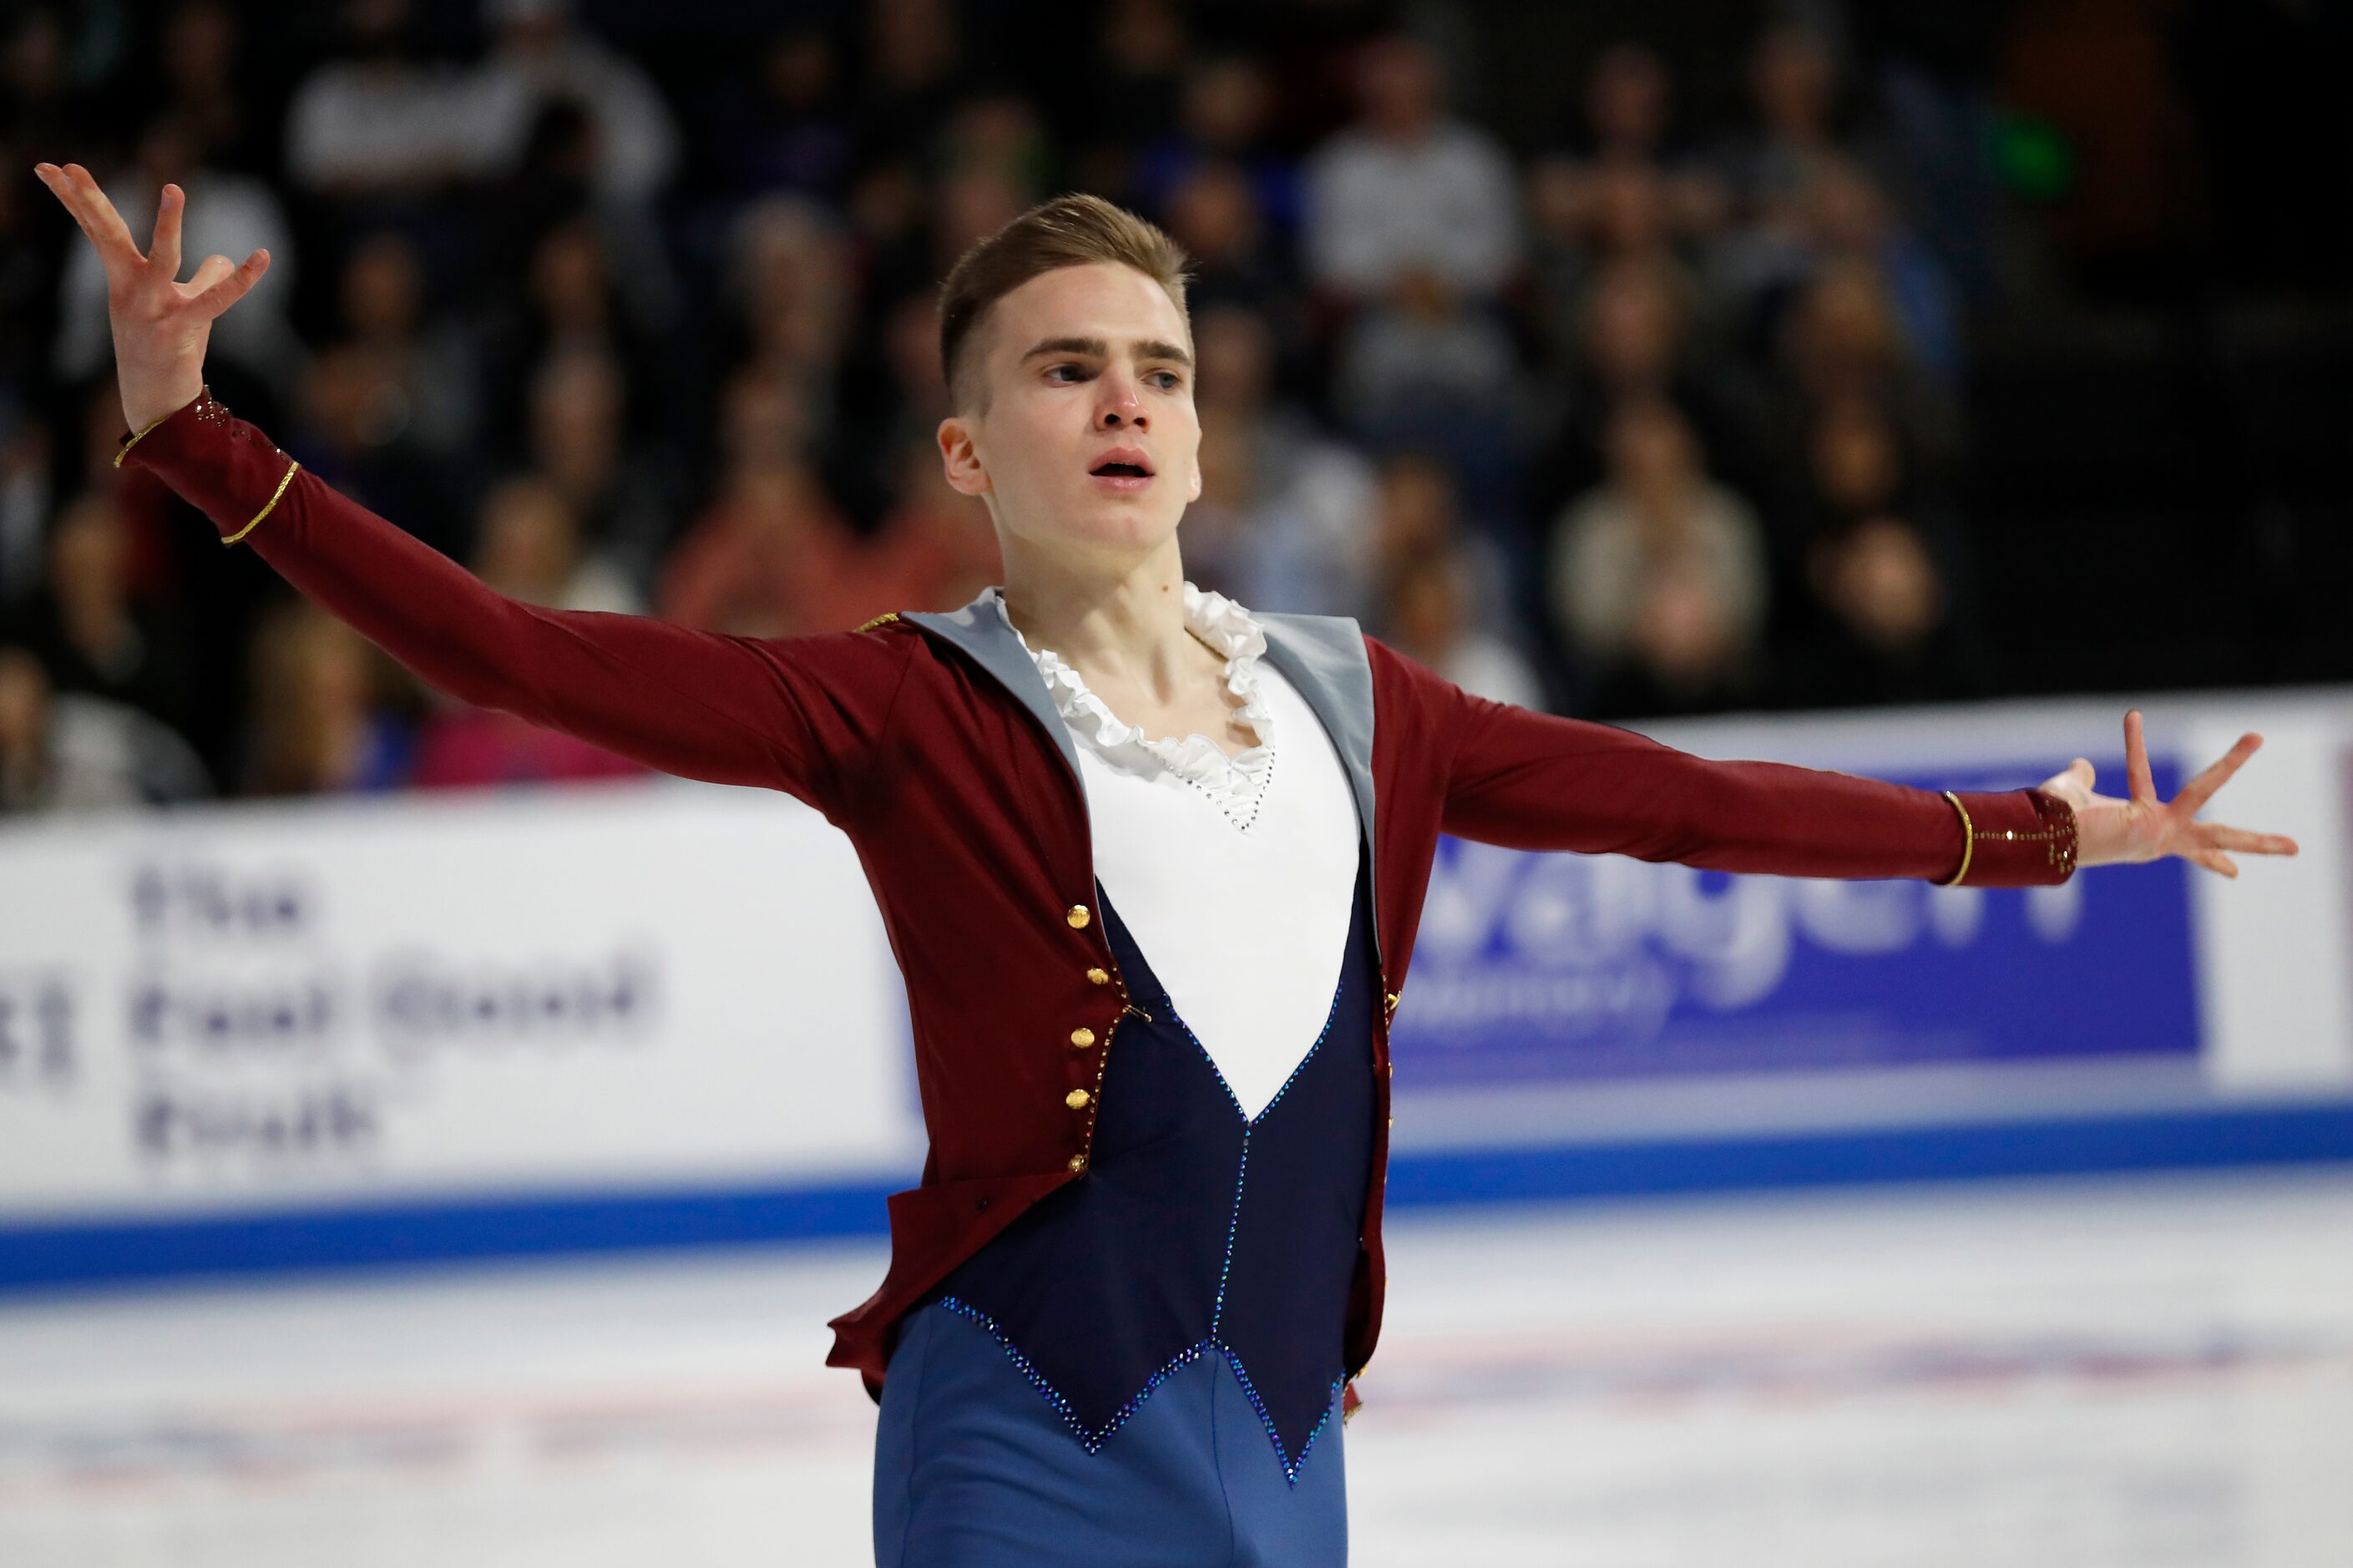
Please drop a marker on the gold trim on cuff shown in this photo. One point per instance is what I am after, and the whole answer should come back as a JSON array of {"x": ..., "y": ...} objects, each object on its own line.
[
  {"x": 1969, "y": 840},
  {"x": 292, "y": 464},
  {"x": 124, "y": 451}
]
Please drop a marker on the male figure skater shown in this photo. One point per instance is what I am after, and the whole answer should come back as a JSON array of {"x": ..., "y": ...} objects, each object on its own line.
[{"x": 1151, "y": 863}]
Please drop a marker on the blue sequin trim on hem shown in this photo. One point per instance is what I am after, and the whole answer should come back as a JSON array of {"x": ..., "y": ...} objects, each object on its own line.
[{"x": 1093, "y": 1442}]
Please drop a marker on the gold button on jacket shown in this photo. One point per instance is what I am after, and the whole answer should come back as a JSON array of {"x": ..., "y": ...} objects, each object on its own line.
[
  {"x": 1098, "y": 977},
  {"x": 1077, "y": 917},
  {"x": 1083, "y": 1038},
  {"x": 1078, "y": 1162},
  {"x": 1077, "y": 1099}
]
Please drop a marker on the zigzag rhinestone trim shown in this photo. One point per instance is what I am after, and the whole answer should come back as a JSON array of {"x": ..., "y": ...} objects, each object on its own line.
[
  {"x": 1250, "y": 1123},
  {"x": 1094, "y": 1441},
  {"x": 1291, "y": 1467},
  {"x": 1091, "y": 1441}
]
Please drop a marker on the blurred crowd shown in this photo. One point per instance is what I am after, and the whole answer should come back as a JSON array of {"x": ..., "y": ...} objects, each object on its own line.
[{"x": 1644, "y": 412}]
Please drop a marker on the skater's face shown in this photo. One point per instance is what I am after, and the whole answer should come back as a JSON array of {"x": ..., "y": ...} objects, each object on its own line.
[{"x": 1086, "y": 365}]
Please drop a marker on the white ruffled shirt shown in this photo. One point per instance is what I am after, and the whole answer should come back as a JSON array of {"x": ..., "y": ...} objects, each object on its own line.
[{"x": 1236, "y": 876}]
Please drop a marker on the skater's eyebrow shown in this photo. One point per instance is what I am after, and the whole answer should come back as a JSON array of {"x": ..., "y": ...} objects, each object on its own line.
[{"x": 1149, "y": 348}]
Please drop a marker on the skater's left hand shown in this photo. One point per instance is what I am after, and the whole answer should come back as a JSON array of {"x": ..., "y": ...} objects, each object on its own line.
[{"x": 2109, "y": 831}]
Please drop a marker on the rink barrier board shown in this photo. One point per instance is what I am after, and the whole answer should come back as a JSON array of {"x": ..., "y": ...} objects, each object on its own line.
[
  {"x": 395, "y": 1083},
  {"x": 130, "y": 1252}
]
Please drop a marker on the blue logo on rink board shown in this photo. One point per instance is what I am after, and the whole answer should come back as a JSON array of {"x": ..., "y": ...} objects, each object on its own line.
[{"x": 1531, "y": 967}]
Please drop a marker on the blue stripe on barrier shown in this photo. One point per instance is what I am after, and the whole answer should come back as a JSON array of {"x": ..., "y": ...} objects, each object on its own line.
[{"x": 131, "y": 1251}]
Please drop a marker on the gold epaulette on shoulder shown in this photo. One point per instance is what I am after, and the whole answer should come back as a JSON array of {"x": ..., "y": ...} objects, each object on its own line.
[{"x": 885, "y": 615}]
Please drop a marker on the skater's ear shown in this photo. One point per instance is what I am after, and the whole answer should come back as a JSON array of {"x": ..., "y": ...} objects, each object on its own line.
[{"x": 961, "y": 456}]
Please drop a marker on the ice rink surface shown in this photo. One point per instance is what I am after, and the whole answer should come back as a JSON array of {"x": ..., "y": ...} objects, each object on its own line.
[{"x": 2087, "y": 1373}]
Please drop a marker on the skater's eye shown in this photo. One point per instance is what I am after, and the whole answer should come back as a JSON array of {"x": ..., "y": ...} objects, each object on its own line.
[{"x": 1173, "y": 383}]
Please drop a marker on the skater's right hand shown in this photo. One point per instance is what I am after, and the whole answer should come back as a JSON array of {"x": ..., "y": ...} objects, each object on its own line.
[{"x": 161, "y": 325}]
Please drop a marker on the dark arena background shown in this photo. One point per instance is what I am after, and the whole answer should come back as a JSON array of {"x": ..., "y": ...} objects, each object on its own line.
[{"x": 428, "y": 1139}]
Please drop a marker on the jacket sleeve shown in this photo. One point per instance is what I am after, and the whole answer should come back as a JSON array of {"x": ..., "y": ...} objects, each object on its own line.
[
  {"x": 797, "y": 713},
  {"x": 1537, "y": 780}
]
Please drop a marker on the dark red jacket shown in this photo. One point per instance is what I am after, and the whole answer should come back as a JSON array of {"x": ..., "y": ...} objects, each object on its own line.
[{"x": 929, "y": 740}]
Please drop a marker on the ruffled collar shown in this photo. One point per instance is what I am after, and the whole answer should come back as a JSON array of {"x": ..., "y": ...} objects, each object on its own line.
[{"x": 1234, "y": 781}]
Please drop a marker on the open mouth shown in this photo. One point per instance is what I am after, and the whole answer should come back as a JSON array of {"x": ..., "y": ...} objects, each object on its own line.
[{"x": 1122, "y": 471}]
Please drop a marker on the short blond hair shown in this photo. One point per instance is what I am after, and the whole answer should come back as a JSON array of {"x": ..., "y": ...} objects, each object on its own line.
[{"x": 1071, "y": 230}]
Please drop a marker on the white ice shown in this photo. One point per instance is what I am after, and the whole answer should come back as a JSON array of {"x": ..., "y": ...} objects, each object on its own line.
[{"x": 2087, "y": 1373}]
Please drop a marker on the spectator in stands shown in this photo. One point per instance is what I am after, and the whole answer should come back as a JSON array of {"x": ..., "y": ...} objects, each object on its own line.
[
  {"x": 1628, "y": 105},
  {"x": 1214, "y": 213},
  {"x": 911, "y": 78},
  {"x": 1855, "y": 468},
  {"x": 1622, "y": 225},
  {"x": 199, "y": 55},
  {"x": 786, "y": 131},
  {"x": 1887, "y": 628},
  {"x": 1843, "y": 340},
  {"x": 771, "y": 557},
  {"x": 1659, "y": 577},
  {"x": 764, "y": 417},
  {"x": 1624, "y": 149},
  {"x": 1222, "y": 119},
  {"x": 573, "y": 304},
  {"x": 27, "y": 451},
  {"x": 1426, "y": 608},
  {"x": 1001, "y": 131},
  {"x": 27, "y": 296},
  {"x": 539, "y": 55},
  {"x": 577, "y": 439},
  {"x": 1686, "y": 651},
  {"x": 1142, "y": 50},
  {"x": 891, "y": 398},
  {"x": 91, "y": 633},
  {"x": 969, "y": 206},
  {"x": 1418, "y": 512},
  {"x": 529, "y": 548},
  {"x": 794, "y": 299},
  {"x": 1408, "y": 188},
  {"x": 377, "y": 121},
  {"x": 1425, "y": 364},
  {"x": 42, "y": 104},
  {"x": 1769, "y": 168},
  {"x": 1634, "y": 337},
  {"x": 1846, "y": 215},
  {"x": 1292, "y": 507},
  {"x": 319, "y": 722},
  {"x": 68, "y": 752},
  {"x": 352, "y": 425},
  {"x": 432, "y": 366}
]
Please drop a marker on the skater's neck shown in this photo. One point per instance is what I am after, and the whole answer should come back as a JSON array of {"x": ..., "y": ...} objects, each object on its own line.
[{"x": 1118, "y": 620}]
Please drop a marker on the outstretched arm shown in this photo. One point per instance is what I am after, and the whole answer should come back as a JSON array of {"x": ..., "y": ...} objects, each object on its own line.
[
  {"x": 794, "y": 713},
  {"x": 1537, "y": 780}
]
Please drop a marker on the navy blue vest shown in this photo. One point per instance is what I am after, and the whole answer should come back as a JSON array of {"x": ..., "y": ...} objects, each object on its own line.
[{"x": 1192, "y": 1229}]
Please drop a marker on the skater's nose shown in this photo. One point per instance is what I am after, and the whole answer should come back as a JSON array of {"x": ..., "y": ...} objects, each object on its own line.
[{"x": 1123, "y": 402}]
